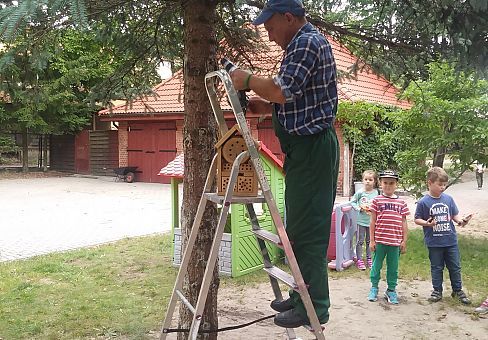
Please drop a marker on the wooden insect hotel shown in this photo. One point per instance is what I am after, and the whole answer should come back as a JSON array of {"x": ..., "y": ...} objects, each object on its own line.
[{"x": 228, "y": 148}]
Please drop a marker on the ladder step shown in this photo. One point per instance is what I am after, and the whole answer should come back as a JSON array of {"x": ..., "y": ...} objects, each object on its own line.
[
  {"x": 216, "y": 198},
  {"x": 268, "y": 236},
  {"x": 283, "y": 276},
  {"x": 185, "y": 301}
]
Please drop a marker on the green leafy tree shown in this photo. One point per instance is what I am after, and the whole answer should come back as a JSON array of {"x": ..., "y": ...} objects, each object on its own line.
[
  {"x": 369, "y": 130},
  {"x": 448, "y": 121},
  {"x": 48, "y": 88}
]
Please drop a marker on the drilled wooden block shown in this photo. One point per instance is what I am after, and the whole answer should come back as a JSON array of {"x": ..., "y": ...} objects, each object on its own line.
[{"x": 245, "y": 185}]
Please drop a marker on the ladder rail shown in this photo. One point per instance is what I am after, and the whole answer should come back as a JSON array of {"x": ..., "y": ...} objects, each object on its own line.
[
  {"x": 214, "y": 250},
  {"x": 275, "y": 215},
  {"x": 189, "y": 247},
  {"x": 214, "y": 102}
]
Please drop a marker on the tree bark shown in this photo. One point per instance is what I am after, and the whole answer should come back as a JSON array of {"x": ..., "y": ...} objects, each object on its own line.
[
  {"x": 25, "y": 150},
  {"x": 438, "y": 159},
  {"x": 199, "y": 138}
]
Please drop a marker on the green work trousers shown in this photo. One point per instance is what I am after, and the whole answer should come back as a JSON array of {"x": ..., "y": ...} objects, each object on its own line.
[
  {"x": 392, "y": 254},
  {"x": 311, "y": 168}
]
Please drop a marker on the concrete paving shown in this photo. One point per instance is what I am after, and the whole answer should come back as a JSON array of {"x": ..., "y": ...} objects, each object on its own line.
[{"x": 44, "y": 215}]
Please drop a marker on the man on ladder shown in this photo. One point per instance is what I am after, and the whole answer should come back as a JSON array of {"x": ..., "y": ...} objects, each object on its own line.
[{"x": 303, "y": 100}]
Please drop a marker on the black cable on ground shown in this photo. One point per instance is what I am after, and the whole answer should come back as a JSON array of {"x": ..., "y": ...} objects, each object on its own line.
[{"x": 229, "y": 328}]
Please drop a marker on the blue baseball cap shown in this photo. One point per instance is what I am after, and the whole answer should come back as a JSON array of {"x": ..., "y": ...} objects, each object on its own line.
[{"x": 294, "y": 7}]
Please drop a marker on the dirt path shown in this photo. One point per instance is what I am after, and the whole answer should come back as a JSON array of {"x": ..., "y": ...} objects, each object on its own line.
[{"x": 353, "y": 317}]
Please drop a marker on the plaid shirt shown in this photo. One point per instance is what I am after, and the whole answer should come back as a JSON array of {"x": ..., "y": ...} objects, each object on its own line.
[{"x": 307, "y": 79}]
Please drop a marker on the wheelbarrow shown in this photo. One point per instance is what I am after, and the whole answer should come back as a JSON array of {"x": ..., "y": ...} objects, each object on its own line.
[{"x": 125, "y": 173}]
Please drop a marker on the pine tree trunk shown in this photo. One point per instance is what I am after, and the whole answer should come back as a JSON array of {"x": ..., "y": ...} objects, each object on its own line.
[
  {"x": 25, "y": 150},
  {"x": 199, "y": 138}
]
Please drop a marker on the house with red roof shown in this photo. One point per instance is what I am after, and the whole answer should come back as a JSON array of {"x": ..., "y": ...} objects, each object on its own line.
[{"x": 150, "y": 129}]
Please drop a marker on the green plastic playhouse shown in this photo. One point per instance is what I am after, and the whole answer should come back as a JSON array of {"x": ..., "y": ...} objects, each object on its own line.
[{"x": 239, "y": 253}]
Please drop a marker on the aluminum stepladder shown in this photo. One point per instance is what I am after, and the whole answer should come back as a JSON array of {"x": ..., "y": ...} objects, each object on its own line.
[{"x": 294, "y": 281}]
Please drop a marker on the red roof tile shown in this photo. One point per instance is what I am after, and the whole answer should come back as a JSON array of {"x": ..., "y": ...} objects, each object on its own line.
[
  {"x": 167, "y": 98},
  {"x": 364, "y": 86}
]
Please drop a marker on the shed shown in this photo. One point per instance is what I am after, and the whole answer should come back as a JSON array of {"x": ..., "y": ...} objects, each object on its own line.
[{"x": 239, "y": 253}]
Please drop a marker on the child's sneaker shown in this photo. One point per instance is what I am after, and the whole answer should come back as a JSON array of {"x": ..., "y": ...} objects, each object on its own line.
[
  {"x": 370, "y": 262},
  {"x": 461, "y": 296},
  {"x": 373, "y": 294},
  {"x": 435, "y": 296},
  {"x": 392, "y": 297},
  {"x": 360, "y": 265},
  {"x": 483, "y": 308}
]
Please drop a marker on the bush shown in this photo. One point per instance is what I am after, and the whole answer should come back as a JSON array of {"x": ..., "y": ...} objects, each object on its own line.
[{"x": 369, "y": 131}]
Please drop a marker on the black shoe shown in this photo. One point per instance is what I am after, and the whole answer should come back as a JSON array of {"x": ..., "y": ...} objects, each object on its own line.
[
  {"x": 281, "y": 305},
  {"x": 290, "y": 319},
  {"x": 436, "y": 296},
  {"x": 461, "y": 296}
]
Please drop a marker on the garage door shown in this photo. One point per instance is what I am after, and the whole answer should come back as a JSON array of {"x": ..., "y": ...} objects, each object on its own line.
[{"x": 151, "y": 146}]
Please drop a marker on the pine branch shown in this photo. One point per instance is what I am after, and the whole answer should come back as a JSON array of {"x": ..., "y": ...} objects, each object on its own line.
[{"x": 78, "y": 11}]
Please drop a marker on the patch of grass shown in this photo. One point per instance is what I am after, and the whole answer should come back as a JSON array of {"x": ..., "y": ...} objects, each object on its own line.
[
  {"x": 122, "y": 289},
  {"x": 415, "y": 263},
  {"x": 119, "y": 289}
]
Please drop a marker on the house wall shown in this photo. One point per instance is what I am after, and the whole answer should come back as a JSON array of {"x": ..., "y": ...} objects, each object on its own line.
[
  {"x": 88, "y": 152},
  {"x": 340, "y": 177},
  {"x": 123, "y": 143},
  {"x": 267, "y": 136},
  {"x": 253, "y": 123},
  {"x": 179, "y": 136},
  {"x": 256, "y": 129},
  {"x": 62, "y": 153},
  {"x": 104, "y": 152}
]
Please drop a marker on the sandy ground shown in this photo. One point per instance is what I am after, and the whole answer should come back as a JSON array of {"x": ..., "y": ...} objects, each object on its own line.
[{"x": 352, "y": 316}]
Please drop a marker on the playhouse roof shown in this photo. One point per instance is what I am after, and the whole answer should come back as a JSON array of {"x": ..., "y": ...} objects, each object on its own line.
[
  {"x": 176, "y": 167},
  {"x": 366, "y": 85}
]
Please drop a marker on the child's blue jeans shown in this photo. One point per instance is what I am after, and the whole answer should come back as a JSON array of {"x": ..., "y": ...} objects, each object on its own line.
[{"x": 448, "y": 256}]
